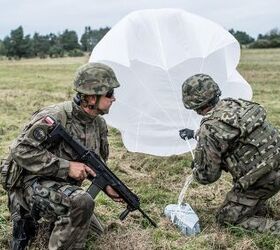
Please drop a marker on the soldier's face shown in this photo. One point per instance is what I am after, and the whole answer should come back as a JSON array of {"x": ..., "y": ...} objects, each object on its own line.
[{"x": 104, "y": 104}]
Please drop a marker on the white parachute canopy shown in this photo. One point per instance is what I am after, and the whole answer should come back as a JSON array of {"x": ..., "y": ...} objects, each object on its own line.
[{"x": 152, "y": 53}]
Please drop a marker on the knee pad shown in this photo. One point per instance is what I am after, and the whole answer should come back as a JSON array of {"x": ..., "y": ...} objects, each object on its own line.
[{"x": 82, "y": 206}]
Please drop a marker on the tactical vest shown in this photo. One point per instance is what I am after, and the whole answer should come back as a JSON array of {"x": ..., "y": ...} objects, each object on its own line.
[{"x": 253, "y": 154}]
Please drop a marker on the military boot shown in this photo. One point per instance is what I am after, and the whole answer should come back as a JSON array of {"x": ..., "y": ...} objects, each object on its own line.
[
  {"x": 24, "y": 229},
  {"x": 262, "y": 225},
  {"x": 95, "y": 227}
]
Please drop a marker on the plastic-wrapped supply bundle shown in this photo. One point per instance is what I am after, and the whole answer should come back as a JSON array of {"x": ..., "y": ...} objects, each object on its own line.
[{"x": 183, "y": 217}]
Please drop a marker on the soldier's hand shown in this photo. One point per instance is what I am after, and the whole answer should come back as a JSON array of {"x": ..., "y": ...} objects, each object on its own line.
[
  {"x": 113, "y": 194},
  {"x": 186, "y": 133},
  {"x": 79, "y": 171},
  {"x": 90, "y": 171}
]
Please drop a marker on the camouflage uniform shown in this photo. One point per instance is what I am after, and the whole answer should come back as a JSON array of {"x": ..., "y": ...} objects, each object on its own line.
[
  {"x": 234, "y": 136},
  {"x": 36, "y": 173}
]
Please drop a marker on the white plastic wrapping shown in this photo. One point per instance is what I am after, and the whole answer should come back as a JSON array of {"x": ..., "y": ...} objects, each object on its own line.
[
  {"x": 152, "y": 52},
  {"x": 183, "y": 217}
]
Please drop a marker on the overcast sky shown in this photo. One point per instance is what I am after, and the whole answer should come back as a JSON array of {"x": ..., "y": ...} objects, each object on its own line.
[{"x": 45, "y": 16}]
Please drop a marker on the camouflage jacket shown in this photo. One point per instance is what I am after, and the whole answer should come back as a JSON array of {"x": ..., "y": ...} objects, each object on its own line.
[
  {"x": 234, "y": 136},
  {"x": 32, "y": 158}
]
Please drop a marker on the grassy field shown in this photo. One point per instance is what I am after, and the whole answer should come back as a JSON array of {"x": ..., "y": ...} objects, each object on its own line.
[{"x": 29, "y": 84}]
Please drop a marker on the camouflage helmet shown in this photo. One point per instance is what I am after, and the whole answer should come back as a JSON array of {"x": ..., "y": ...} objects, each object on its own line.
[
  {"x": 95, "y": 79},
  {"x": 198, "y": 90}
]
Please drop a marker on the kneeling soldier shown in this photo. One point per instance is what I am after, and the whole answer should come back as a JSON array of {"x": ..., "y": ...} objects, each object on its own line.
[
  {"x": 43, "y": 180},
  {"x": 234, "y": 136}
]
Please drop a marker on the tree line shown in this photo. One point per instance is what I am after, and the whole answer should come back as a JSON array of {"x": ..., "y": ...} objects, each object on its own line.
[
  {"x": 269, "y": 40},
  {"x": 18, "y": 45}
]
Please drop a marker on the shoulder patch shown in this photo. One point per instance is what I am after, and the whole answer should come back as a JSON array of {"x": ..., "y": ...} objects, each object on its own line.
[{"x": 39, "y": 134}]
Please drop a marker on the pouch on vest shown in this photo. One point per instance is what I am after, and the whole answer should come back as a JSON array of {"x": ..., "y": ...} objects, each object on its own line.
[
  {"x": 10, "y": 173},
  {"x": 253, "y": 115},
  {"x": 48, "y": 202}
]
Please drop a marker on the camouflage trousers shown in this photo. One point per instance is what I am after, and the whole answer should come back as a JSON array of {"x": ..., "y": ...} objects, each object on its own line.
[
  {"x": 68, "y": 207},
  {"x": 241, "y": 207}
]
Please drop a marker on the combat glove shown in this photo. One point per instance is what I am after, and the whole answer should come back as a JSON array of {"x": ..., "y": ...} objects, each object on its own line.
[{"x": 186, "y": 133}]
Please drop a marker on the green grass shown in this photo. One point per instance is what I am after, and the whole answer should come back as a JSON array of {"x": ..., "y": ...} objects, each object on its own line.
[
  {"x": 261, "y": 69},
  {"x": 30, "y": 84}
]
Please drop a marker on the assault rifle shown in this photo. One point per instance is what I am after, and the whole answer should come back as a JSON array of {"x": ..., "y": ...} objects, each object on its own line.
[{"x": 104, "y": 176}]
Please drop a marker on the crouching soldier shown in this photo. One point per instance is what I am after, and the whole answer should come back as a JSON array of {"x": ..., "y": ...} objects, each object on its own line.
[
  {"x": 234, "y": 136},
  {"x": 43, "y": 180}
]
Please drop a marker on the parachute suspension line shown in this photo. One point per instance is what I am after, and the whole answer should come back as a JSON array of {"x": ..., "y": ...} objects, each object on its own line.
[
  {"x": 190, "y": 147},
  {"x": 188, "y": 181}
]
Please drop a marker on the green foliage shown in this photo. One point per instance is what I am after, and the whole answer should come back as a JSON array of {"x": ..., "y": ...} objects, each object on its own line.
[
  {"x": 266, "y": 241},
  {"x": 242, "y": 37},
  {"x": 3, "y": 50},
  {"x": 97, "y": 35},
  {"x": 86, "y": 40},
  {"x": 18, "y": 45},
  {"x": 260, "y": 43},
  {"x": 262, "y": 241},
  {"x": 69, "y": 40},
  {"x": 275, "y": 43},
  {"x": 75, "y": 53},
  {"x": 41, "y": 45},
  {"x": 91, "y": 37},
  {"x": 270, "y": 40},
  {"x": 272, "y": 34},
  {"x": 265, "y": 43},
  {"x": 56, "y": 51}
]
